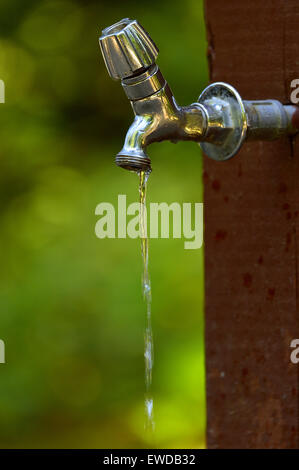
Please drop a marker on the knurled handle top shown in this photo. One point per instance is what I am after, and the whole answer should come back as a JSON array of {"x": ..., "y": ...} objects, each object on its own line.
[{"x": 127, "y": 48}]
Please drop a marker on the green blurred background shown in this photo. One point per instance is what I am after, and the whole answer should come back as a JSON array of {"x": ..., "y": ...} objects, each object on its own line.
[{"x": 71, "y": 310}]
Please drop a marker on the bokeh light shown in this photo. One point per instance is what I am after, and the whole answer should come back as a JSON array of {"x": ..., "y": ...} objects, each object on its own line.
[{"x": 72, "y": 314}]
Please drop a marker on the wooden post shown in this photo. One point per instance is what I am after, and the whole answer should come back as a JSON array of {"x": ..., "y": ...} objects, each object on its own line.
[{"x": 251, "y": 238}]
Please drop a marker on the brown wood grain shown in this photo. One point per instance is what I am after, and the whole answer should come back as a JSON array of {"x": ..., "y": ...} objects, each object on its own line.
[{"x": 251, "y": 238}]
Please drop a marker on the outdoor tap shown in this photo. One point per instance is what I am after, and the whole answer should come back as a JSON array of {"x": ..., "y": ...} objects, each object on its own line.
[{"x": 220, "y": 120}]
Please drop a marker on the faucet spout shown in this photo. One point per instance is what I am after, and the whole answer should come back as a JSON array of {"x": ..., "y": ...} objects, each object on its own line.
[
  {"x": 130, "y": 55},
  {"x": 157, "y": 118},
  {"x": 133, "y": 155}
]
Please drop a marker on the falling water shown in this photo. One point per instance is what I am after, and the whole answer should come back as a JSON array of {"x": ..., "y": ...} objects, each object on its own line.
[{"x": 147, "y": 295}]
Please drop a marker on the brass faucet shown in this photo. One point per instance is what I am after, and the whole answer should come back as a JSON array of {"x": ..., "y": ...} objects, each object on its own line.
[{"x": 220, "y": 121}]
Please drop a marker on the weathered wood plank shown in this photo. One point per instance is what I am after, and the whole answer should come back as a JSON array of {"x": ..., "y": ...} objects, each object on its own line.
[{"x": 251, "y": 238}]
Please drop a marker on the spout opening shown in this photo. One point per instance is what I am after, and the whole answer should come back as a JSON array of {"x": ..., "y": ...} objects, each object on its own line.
[{"x": 134, "y": 163}]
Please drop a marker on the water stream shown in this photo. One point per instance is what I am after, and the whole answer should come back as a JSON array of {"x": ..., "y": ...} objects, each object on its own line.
[{"x": 147, "y": 295}]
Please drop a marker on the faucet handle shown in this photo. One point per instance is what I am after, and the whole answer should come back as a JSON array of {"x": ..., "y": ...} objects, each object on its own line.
[{"x": 127, "y": 49}]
